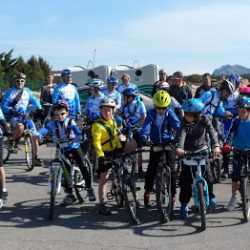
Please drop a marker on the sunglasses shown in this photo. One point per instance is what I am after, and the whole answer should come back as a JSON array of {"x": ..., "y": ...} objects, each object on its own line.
[
  {"x": 161, "y": 108},
  {"x": 60, "y": 114},
  {"x": 21, "y": 81}
]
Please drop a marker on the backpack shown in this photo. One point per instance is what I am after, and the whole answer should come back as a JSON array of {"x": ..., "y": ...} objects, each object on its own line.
[{"x": 107, "y": 128}]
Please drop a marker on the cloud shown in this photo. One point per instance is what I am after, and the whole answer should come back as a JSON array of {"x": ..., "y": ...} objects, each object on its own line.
[{"x": 51, "y": 22}]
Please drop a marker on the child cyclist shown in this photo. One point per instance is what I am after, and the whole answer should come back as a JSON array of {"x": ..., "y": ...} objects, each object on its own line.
[
  {"x": 160, "y": 124},
  {"x": 106, "y": 143},
  {"x": 63, "y": 127},
  {"x": 240, "y": 141},
  {"x": 192, "y": 137}
]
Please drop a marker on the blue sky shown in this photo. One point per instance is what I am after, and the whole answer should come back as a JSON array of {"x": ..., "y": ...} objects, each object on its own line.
[{"x": 194, "y": 36}]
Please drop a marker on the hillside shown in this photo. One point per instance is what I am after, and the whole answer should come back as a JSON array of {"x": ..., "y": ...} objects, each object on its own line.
[{"x": 230, "y": 69}]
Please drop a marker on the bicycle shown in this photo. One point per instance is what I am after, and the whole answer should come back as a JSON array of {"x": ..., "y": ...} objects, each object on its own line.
[
  {"x": 60, "y": 176},
  {"x": 164, "y": 198},
  {"x": 29, "y": 147},
  {"x": 123, "y": 185},
  {"x": 245, "y": 183},
  {"x": 195, "y": 160}
]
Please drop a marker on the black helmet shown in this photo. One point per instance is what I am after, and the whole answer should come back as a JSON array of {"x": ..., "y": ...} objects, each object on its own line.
[{"x": 61, "y": 104}]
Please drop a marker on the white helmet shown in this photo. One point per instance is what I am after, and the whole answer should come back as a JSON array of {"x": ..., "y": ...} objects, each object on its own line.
[{"x": 107, "y": 102}]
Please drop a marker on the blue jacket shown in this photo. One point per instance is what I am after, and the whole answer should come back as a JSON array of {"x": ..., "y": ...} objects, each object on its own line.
[
  {"x": 67, "y": 92},
  {"x": 22, "y": 105},
  {"x": 63, "y": 130},
  {"x": 170, "y": 126}
]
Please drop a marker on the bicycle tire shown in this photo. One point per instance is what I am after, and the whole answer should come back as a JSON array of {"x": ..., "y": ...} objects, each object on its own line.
[
  {"x": 117, "y": 188},
  {"x": 246, "y": 198},
  {"x": 202, "y": 205},
  {"x": 164, "y": 197},
  {"x": 29, "y": 145},
  {"x": 79, "y": 185},
  {"x": 130, "y": 198},
  {"x": 6, "y": 152},
  {"x": 53, "y": 192},
  {"x": 217, "y": 170}
]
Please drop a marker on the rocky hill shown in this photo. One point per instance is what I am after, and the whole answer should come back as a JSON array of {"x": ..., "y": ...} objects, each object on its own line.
[{"x": 229, "y": 69}]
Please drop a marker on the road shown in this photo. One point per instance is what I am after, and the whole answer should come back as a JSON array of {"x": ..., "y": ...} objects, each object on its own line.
[{"x": 24, "y": 224}]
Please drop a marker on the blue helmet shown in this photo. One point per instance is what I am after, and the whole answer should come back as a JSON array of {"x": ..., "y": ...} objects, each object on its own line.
[
  {"x": 112, "y": 79},
  {"x": 66, "y": 72},
  {"x": 243, "y": 102},
  {"x": 235, "y": 80},
  {"x": 193, "y": 105},
  {"x": 129, "y": 92}
]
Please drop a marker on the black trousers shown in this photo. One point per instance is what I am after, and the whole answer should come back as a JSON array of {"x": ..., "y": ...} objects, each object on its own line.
[
  {"x": 186, "y": 180},
  {"x": 78, "y": 157},
  {"x": 154, "y": 160}
]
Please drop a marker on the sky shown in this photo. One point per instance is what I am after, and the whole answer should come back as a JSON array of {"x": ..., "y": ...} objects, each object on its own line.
[{"x": 193, "y": 36}]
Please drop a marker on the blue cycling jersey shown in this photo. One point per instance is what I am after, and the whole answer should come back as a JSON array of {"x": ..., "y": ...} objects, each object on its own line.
[
  {"x": 67, "y": 92},
  {"x": 120, "y": 88},
  {"x": 114, "y": 95},
  {"x": 63, "y": 130}
]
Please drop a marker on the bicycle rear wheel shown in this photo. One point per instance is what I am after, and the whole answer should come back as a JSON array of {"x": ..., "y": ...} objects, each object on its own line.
[
  {"x": 246, "y": 198},
  {"x": 29, "y": 144},
  {"x": 202, "y": 205},
  {"x": 5, "y": 146},
  {"x": 117, "y": 188},
  {"x": 164, "y": 197},
  {"x": 53, "y": 191},
  {"x": 130, "y": 197}
]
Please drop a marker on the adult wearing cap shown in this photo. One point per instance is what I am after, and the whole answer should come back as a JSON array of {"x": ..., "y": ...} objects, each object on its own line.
[
  {"x": 66, "y": 91},
  {"x": 126, "y": 84},
  {"x": 179, "y": 89},
  {"x": 111, "y": 92},
  {"x": 106, "y": 143},
  {"x": 15, "y": 105}
]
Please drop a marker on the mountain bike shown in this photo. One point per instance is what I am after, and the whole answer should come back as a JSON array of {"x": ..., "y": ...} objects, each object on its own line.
[
  {"x": 27, "y": 145},
  {"x": 245, "y": 183},
  {"x": 60, "y": 176},
  {"x": 164, "y": 198},
  {"x": 197, "y": 164},
  {"x": 123, "y": 185}
]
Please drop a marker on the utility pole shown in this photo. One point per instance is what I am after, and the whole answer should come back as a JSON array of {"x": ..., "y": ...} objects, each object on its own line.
[{"x": 94, "y": 57}]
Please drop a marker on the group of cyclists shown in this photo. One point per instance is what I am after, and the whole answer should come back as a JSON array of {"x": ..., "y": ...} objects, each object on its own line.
[{"x": 215, "y": 118}]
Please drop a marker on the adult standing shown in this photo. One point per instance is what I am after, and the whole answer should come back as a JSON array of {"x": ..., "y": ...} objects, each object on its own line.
[
  {"x": 126, "y": 84},
  {"x": 162, "y": 78},
  {"x": 179, "y": 89},
  {"x": 66, "y": 91},
  {"x": 207, "y": 85}
]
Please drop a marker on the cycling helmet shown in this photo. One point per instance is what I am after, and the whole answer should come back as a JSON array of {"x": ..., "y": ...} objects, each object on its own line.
[
  {"x": 161, "y": 99},
  {"x": 245, "y": 91},
  {"x": 113, "y": 79},
  {"x": 66, "y": 72},
  {"x": 129, "y": 92},
  {"x": 193, "y": 105},
  {"x": 163, "y": 85},
  {"x": 228, "y": 86},
  {"x": 95, "y": 83},
  {"x": 107, "y": 103},
  {"x": 19, "y": 75},
  {"x": 61, "y": 104},
  {"x": 235, "y": 80},
  {"x": 243, "y": 102}
]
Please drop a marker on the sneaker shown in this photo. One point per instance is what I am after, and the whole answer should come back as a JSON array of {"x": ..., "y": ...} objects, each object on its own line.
[
  {"x": 184, "y": 211},
  {"x": 68, "y": 200},
  {"x": 147, "y": 199},
  {"x": 91, "y": 194},
  {"x": 212, "y": 203},
  {"x": 231, "y": 204},
  {"x": 38, "y": 162},
  {"x": 103, "y": 210}
]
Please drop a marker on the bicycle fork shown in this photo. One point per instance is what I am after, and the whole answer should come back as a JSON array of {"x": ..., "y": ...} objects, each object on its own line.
[
  {"x": 205, "y": 190},
  {"x": 55, "y": 171}
]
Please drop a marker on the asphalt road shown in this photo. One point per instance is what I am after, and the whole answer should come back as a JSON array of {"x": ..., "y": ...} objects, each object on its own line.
[{"x": 24, "y": 223}]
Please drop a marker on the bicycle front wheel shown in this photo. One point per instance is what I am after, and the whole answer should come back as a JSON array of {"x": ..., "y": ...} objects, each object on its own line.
[
  {"x": 246, "y": 198},
  {"x": 130, "y": 197},
  {"x": 117, "y": 188},
  {"x": 164, "y": 197},
  {"x": 53, "y": 192},
  {"x": 29, "y": 144},
  {"x": 202, "y": 205}
]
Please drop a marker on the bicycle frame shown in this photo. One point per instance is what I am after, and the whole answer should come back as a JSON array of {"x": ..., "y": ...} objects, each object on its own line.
[{"x": 197, "y": 160}]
